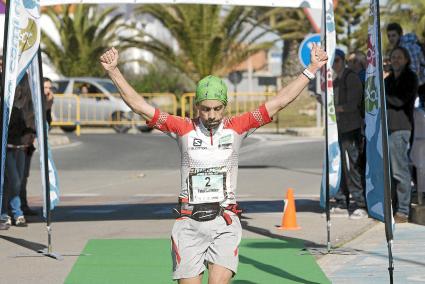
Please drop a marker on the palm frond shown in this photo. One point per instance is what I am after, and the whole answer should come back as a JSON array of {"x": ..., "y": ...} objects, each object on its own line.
[
  {"x": 207, "y": 37},
  {"x": 83, "y": 36}
]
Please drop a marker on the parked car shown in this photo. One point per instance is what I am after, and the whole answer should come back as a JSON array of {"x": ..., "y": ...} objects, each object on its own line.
[{"x": 97, "y": 103}]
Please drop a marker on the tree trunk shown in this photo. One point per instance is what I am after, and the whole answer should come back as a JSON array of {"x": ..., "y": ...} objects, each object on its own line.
[{"x": 291, "y": 65}]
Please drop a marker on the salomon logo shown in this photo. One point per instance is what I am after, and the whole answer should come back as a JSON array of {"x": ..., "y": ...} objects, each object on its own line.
[{"x": 197, "y": 142}]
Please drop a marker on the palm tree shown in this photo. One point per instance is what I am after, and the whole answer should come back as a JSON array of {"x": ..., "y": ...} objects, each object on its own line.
[
  {"x": 84, "y": 34},
  {"x": 292, "y": 25},
  {"x": 351, "y": 24},
  {"x": 210, "y": 40},
  {"x": 409, "y": 14}
]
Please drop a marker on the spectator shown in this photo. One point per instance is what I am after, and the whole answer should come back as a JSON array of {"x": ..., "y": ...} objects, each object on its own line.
[
  {"x": 20, "y": 138},
  {"x": 417, "y": 58},
  {"x": 400, "y": 87},
  {"x": 84, "y": 89},
  {"x": 357, "y": 61},
  {"x": 48, "y": 92},
  {"x": 47, "y": 86},
  {"x": 348, "y": 91}
]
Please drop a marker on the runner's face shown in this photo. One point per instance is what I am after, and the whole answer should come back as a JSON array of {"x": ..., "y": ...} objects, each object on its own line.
[{"x": 211, "y": 112}]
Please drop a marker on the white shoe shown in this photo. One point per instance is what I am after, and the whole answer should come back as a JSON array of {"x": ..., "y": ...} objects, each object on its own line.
[
  {"x": 6, "y": 220},
  {"x": 359, "y": 213},
  {"x": 337, "y": 212},
  {"x": 20, "y": 222}
]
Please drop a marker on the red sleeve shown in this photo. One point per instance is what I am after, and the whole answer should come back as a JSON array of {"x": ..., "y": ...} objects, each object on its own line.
[
  {"x": 249, "y": 120},
  {"x": 170, "y": 123}
]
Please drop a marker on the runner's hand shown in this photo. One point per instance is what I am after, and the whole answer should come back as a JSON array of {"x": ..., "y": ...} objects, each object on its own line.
[
  {"x": 109, "y": 59},
  {"x": 318, "y": 58}
]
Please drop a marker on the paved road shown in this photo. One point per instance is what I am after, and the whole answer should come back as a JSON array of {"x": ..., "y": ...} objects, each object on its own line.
[
  {"x": 146, "y": 164},
  {"x": 158, "y": 151}
]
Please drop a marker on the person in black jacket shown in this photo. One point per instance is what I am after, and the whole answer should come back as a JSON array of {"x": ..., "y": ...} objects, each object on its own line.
[
  {"x": 348, "y": 90},
  {"x": 20, "y": 138},
  {"x": 48, "y": 92},
  {"x": 401, "y": 87}
]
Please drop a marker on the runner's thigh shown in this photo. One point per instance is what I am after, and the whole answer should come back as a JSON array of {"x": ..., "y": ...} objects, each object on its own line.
[
  {"x": 189, "y": 243},
  {"x": 224, "y": 251}
]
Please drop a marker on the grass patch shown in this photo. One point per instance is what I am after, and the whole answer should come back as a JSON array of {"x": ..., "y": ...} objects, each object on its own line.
[
  {"x": 300, "y": 113},
  {"x": 149, "y": 261}
]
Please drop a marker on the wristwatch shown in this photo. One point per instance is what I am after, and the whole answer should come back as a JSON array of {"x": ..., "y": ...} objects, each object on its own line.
[{"x": 308, "y": 74}]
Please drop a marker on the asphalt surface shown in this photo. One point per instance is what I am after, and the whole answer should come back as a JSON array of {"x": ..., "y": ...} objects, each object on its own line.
[{"x": 158, "y": 151}]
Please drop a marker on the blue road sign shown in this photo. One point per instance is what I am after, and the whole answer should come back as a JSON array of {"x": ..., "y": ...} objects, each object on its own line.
[{"x": 305, "y": 48}]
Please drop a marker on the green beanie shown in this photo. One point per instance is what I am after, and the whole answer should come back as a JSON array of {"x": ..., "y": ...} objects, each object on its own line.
[{"x": 211, "y": 88}]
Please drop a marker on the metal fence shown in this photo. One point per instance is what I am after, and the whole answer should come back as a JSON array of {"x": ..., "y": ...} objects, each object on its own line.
[
  {"x": 238, "y": 103},
  {"x": 71, "y": 112}
]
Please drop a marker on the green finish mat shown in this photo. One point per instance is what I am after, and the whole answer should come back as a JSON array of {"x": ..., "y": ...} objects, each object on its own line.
[{"x": 149, "y": 261}]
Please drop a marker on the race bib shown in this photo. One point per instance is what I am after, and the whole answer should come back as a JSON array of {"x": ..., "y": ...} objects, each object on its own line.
[{"x": 207, "y": 186}]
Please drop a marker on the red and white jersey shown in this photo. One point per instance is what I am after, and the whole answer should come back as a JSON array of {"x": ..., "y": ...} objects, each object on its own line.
[{"x": 209, "y": 159}]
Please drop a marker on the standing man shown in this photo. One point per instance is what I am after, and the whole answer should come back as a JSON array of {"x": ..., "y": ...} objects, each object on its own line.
[
  {"x": 207, "y": 231},
  {"x": 400, "y": 88},
  {"x": 357, "y": 61},
  {"x": 348, "y": 90},
  {"x": 47, "y": 86},
  {"x": 20, "y": 138}
]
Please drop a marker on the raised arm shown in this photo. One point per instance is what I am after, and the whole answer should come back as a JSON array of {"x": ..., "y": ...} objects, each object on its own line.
[
  {"x": 137, "y": 103},
  {"x": 294, "y": 89}
]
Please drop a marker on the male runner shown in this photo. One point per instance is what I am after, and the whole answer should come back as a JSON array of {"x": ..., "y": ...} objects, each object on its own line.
[{"x": 207, "y": 231}]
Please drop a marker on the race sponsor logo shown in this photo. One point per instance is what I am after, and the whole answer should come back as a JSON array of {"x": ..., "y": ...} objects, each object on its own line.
[
  {"x": 197, "y": 142},
  {"x": 225, "y": 142},
  {"x": 371, "y": 92},
  {"x": 331, "y": 109},
  {"x": 371, "y": 97}
]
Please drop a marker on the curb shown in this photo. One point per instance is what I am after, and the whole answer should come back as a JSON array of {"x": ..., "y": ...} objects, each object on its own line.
[
  {"x": 306, "y": 131},
  {"x": 58, "y": 140}
]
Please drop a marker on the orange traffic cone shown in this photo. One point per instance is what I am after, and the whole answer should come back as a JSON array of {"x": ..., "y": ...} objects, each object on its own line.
[{"x": 289, "y": 218}]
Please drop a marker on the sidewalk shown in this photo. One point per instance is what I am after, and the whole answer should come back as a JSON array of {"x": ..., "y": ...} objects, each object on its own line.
[{"x": 368, "y": 258}]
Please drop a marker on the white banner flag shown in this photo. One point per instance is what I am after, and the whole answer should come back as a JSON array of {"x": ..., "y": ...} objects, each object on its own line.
[
  {"x": 35, "y": 85},
  {"x": 22, "y": 42},
  {"x": 334, "y": 153}
]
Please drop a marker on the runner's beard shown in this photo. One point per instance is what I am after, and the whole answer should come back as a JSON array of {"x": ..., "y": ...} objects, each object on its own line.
[{"x": 212, "y": 125}]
